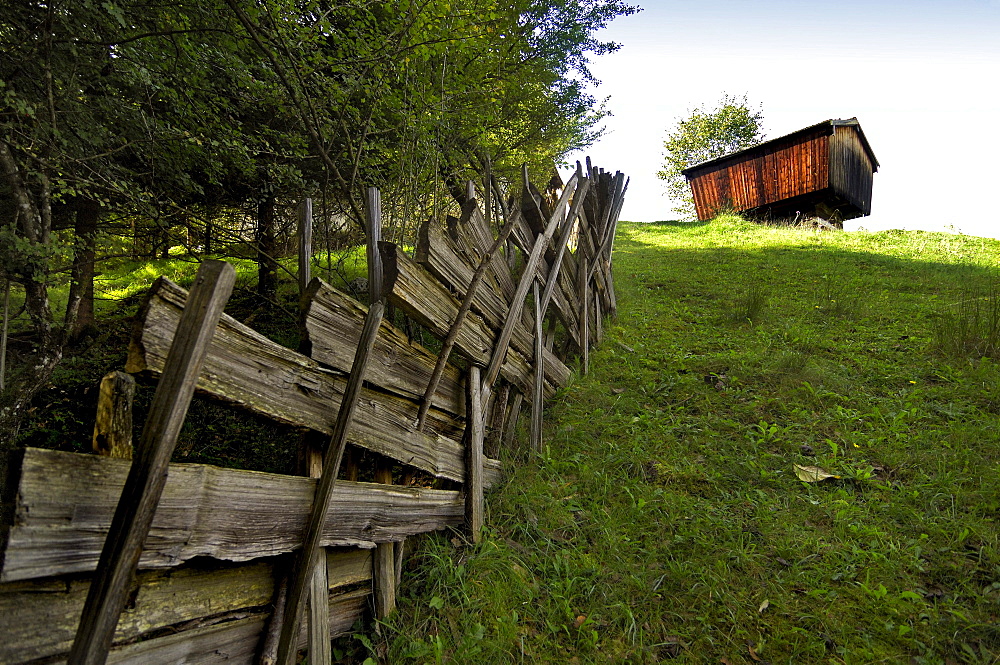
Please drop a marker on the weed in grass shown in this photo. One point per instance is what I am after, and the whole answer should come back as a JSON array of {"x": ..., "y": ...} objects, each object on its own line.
[
  {"x": 750, "y": 306},
  {"x": 970, "y": 328}
]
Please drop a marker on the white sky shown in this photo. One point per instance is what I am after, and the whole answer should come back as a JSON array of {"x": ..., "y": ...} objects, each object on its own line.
[{"x": 923, "y": 79}]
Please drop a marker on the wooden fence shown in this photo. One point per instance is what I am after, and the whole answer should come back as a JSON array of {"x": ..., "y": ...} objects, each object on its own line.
[{"x": 140, "y": 562}]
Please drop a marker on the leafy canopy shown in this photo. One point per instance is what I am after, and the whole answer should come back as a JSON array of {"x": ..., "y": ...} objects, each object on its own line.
[{"x": 707, "y": 133}]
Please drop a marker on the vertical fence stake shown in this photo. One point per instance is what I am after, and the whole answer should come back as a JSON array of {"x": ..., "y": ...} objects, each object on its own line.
[
  {"x": 515, "y": 415},
  {"x": 308, "y": 555},
  {"x": 113, "y": 424},
  {"x": 3, "y": 334},
  {"x": 319, "y": 586},
  {"x": 537, "y": 394},
  {"x": 385, "y": 560},
  {"x": 584, "y": 315},
  {"x": 598, "y": 320},
  {"x": 474, "y": 455},
  {"x": 123, "y": 546},
  {"x": 305, "y": 243}
]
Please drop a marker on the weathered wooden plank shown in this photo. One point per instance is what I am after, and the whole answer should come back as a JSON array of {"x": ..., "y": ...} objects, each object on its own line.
[
  {"x": 555, "y": 269},
  {"x": 141, "y": 491},
  {"x": 500, "y": 350},
  {"x": 113, "y": 425},
  {"x": 334, "y": 320},
  {"x": 233, "y": 642},
  {"x": 441, "y": 256},
  {"x": 39, "y": 619},
  {"x": 565, "y": 297},
  {"x": 483, "y": 237},
  {"x": 245, "y": 368},
  {"x": 425, "y": 299},
  {"x": 319, "y": 584},
  {"x": 448, "y": 343},
  {"x": 65, "y": 502}
]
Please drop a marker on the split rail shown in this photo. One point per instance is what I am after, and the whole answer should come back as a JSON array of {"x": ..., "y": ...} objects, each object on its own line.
[{"x": 106, "y": 559}]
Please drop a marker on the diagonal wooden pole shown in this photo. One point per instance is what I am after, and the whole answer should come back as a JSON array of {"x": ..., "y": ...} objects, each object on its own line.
[
  {"x": 527, "y": 278},
  {"x": 553, "y": 280},
  {"x": 148, "y": 474},
  {"x": 305, "y": 561},
  {"x": 456, "y": 326}
]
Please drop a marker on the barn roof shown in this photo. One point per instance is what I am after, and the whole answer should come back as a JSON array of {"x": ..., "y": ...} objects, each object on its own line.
[{"x": 831, "y": 124}]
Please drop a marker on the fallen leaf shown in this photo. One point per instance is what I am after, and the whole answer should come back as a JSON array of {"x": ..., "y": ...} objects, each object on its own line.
[
  {"x": 726, "y": 661},
  {"x": 617, "y": 391},
  {"x": 763, "y": 606},
  {"x": 579, "y": 621},
  {"x": 812, "y": 474}
]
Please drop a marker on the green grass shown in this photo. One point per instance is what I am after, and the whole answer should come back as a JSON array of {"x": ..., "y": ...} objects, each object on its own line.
[{"x": 664, "y": 520}]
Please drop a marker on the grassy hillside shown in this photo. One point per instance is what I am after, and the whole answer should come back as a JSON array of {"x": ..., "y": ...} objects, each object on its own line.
[{"x": 665, "y": 519}]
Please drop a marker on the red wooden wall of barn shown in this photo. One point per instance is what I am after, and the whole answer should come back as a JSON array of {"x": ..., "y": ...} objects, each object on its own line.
[{"x": 779, "y": 172}]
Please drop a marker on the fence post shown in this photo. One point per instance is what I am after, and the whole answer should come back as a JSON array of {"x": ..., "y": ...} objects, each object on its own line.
[
  {"x": 319, "y": 587},
  {"x": 537, "y": 395},
  {"x": 3, "y": 334},
  {"x": 584, "y": 277},
  {"x": 474, "y": 456},
  {"x": 385, "y": 559},
  {"x": 305, "y": 243},
  {"x": 137, "y": 505},
  {"x": 113, "y": 425},
  {"x": 308, "y": 556}
]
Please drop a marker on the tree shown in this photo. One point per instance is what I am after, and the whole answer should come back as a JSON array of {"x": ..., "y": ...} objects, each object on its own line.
[
  {"x": 148, "y": 117},
  {"x": 705, "y": 135}
]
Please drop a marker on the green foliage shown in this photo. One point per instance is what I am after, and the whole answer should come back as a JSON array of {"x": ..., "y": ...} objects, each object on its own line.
[
  {"x": 705, "y": 134},
  {"x": 202, "y": 125},
  {"x": 664, "y": 520}
]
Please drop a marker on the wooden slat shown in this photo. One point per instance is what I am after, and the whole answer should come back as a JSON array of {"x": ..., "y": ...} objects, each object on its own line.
[
  {"x": 425, "y": 299},
  {"x": 564, "y": 297},
  {"x": 468, "y": 298},
  {"x": 385, "y": 580},
  {"x": 147, "y": 475},
  {"x": 500, "y": 350},
  {"x": 65, "y": 502},
  {"x": 245, "y": 368},
  {"x": 233, "y": 642},
  {"x": 333, "y": 320},
  {"x": 482, "y": 237},
  {"x": 440, "y": 255},
  {"x": 39, "y": 619}
]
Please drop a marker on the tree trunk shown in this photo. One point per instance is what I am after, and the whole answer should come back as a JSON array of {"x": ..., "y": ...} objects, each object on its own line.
[
  {"x": 267, "y": 273},
  {"x": 209, "y": 229},
  {"x": 80, "y": 305}
]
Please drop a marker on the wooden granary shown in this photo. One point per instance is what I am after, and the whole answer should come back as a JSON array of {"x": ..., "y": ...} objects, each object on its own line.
[{"x": 824, "y": 170}]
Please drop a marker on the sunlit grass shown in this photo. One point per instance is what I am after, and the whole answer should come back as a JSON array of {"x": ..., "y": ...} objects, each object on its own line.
[{"x": 664, "y": 520}]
